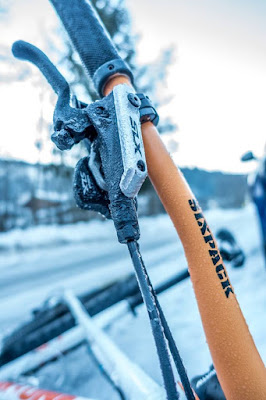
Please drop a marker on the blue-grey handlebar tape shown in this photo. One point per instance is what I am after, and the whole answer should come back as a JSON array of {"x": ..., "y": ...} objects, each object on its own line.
[{"x": 91, "y": 40}]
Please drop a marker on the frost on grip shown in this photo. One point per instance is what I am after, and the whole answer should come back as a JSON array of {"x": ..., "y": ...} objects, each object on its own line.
[{"x": 91, "y": 41}]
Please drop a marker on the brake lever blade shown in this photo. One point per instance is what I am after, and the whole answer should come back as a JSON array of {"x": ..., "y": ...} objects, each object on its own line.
[
  {"x": 26, "y": 51},
  {"x": 70, "y": 123}
]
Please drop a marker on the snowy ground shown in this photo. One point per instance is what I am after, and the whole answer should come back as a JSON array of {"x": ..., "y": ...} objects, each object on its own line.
[{"x": 86, "y": 256}]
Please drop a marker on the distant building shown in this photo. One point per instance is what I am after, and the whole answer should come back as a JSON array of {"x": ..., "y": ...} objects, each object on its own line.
[{"x": 42, "y": 194}]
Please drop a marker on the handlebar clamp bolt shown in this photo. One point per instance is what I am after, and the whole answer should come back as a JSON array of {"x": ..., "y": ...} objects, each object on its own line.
[
  {"x": 141, "y": 165},
  {"x": 134, "y": 100}
]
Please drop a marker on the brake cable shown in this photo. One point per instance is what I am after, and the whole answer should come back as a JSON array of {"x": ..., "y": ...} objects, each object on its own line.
[
  {"x": 157, "y": 316},
  {"x": 156, "y": 325}
]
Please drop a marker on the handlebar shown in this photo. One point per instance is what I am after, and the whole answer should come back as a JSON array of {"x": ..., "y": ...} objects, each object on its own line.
[{"x": 92, "y": 41}]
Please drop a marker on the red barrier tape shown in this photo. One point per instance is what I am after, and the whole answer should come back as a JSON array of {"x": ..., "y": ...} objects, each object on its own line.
[{"x": 28, "y": 393}]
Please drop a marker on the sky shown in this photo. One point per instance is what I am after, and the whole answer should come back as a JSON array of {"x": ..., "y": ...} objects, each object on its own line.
[{"x": 217, "y": 81}]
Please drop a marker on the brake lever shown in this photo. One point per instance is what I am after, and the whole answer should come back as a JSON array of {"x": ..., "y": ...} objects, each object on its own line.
[
  {"x": 112, "y": 124},
  {"x": 71, "y": 125}
]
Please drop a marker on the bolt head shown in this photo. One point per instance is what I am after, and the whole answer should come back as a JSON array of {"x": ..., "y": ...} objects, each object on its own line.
[
  {"x": 141, "y": 165},
  {"x": 134, "y": 100}
]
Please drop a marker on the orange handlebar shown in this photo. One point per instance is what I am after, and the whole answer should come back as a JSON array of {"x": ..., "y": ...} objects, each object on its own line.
[{"x": 239, "y": 366}]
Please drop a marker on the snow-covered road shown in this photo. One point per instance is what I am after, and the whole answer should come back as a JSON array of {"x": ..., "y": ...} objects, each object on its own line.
[{"x": 29, "y": 276}]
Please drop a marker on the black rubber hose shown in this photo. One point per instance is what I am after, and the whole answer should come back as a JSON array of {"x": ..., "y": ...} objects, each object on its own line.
[
  {"x": 153, "y": 307},
  {"x": 157, "y": 329},
  {"x": 53, "y": 323},
  {"x": 136, "y": 300},
  {"x": 175, "y": 354}
]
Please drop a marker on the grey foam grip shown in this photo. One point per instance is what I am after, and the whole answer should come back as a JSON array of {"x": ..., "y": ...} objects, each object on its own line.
[{"x": 89, "y": 36}]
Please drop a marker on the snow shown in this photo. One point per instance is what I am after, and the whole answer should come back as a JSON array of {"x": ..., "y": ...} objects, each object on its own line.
[
  {"x": 86, "y": 255},
  {"x": 54, "y": 235}
]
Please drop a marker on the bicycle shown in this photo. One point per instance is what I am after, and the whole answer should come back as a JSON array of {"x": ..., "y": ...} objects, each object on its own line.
[{"x": 121, "y": 155}]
